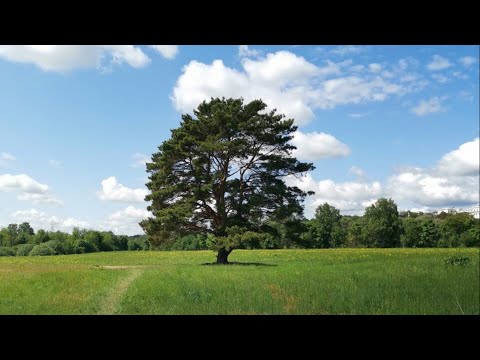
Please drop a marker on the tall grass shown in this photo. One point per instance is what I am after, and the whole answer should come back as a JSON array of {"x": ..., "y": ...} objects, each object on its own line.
[{"x": 339, "y": 281}]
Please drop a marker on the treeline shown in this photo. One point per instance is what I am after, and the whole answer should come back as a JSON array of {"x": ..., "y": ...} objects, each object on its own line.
[
  {"x": 381, "y": 226},
  {"x": 22, "y": 240}
]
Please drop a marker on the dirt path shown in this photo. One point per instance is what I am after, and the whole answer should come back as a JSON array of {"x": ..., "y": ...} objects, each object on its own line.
[{"x": 111, "y": 301}]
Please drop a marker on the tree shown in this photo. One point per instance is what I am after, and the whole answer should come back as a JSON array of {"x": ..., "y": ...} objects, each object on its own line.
[
  {"x": 26, "y": 229},
  {"x": 429, "y": 234},
  {"x": 382, "y": 224},
  {"x": 223, "y": 173},
  {"x": 412, "y": 230},
  {"x": 354, "y": 236},
  {"x": 327, "y": 222}
]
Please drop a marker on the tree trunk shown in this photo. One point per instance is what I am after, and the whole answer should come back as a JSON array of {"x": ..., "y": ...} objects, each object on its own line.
[{"x": 222, "y": 256}]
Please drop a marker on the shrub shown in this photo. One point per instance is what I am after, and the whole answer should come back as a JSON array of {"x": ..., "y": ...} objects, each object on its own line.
[
  {"x": 457, "y": 260},
  {"x": 42, "y": 250},
  {"x": 57, "y": 246},
  {"x": 190, "y": 242},
  {"x": 7, "y": 251},
  {"x": 133, "y": 244},
  {"x": 24, "y": 249},
  {"x": 84, "y": 246}
]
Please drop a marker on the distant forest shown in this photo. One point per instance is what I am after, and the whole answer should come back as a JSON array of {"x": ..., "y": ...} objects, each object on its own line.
[{"x": 381, "y": 226}]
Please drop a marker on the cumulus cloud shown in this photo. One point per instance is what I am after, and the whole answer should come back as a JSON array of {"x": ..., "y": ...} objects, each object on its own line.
[
  {"x": 40, "y": 220},
  {"x": 467, "y": 61},
  {"x": 167, "y": 51},
  {"x": 429, "y": 189},
  {"x": 462, "y": 161},
  {"x": 63, "y": 58},
  {"x": 245, "y": 51},
  {"x": 316, "y": 146},
  {"x": 23, "y": 183},
  {"x": 126, "y": 221},
  {"x": 139, "y": 160},
  {"x": 28, "y": 188},
  {"x": 454, "y": 180},
  {"x": 430, "y": 106},
  {"x": 349, "y": 197},
  {"x": 284, "y": 81},
  {"x": 114, "y": 191},
  {"x": 438, "y": 63}
]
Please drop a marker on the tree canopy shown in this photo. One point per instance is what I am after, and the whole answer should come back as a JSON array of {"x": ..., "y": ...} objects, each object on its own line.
[{"x": 223, "y": 172}]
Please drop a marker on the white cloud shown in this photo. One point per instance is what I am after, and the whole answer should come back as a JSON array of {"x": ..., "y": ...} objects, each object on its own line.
[
  {"x": 283, "y": 81},
  {"x": 355, "y": 170},
  {"x": 167, "y": 51},
  {"x": 244, "y": 51},
  {"x": 40, "y": 198},
  {"x": 430, "y": 106},
  {"x": 438, "y": 63},
  {"x": 429, "y": 189},
  {"x": 63, "y": 58},
  {"x": 7, "y": 156},
  {"x": 467, "y": 61},
  {"x": 460, "y": 75},
  {"x": 40, "y": 220},
  {"x": 316, "y": 146},
  {"x": 349, "y": 197},
  {"x": 442, "y": 79},
  {"x": 126, "y": 221},
  {"x": 403, "y": 64},
  {"x": 375, "y": 68},
  {"x": 114, "y": 191},
  {"x": 357, "y": 68},
  {"x": 28, "y": 188},
  {"x": 462, "y": 161},
  {"x": 23, "y": 183},
  {"x": 454, "y": 180},
  {"x": 139, "y": 160},
  {"x": 346, "y": 50},
  {"x": 55, "y": 163}
]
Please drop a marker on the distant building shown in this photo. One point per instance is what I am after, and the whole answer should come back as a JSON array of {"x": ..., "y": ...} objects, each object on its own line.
[{"x": 474, "y": 210}]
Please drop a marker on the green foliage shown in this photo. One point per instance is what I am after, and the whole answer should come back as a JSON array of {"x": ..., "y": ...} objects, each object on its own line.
[
  {"x": 382, "y": 224},
  {"x": 24, "y": 250},
  {"x": 190, "y": 242},
  {"x": 42, "y": 250},
  {"x": 354, "y": 232},
  {"x": 57, "y": 246},
  {"x": 412, "y": 230},
  {"x": 457, "y": 261},
  {"x": 326, "y": 226},
  {"x": 224, "y": 170},
  {"x": 84, "y": 246},
  {"x": 7, "y": 251},
  {"x": 138, "y": 243},
  {"x": 41, "y": 237},
  {"x": 430, "y": 234}
]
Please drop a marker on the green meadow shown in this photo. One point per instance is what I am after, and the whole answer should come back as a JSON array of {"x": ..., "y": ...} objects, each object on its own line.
[{"x": 336, "y": 281}]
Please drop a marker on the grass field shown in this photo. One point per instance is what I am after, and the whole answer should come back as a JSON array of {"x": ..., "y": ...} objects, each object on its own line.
[{"x": 340, "y": 281}]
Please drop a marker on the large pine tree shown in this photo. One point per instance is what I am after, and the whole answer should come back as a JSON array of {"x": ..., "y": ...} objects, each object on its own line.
[{"x": 222, "y": 172}]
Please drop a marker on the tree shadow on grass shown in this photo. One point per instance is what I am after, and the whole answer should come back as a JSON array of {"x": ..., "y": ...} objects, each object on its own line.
[{"x": 241, "y": 264}]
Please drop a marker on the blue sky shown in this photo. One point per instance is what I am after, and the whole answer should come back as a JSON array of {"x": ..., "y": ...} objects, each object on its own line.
[{"x": 78, "y": 122}]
